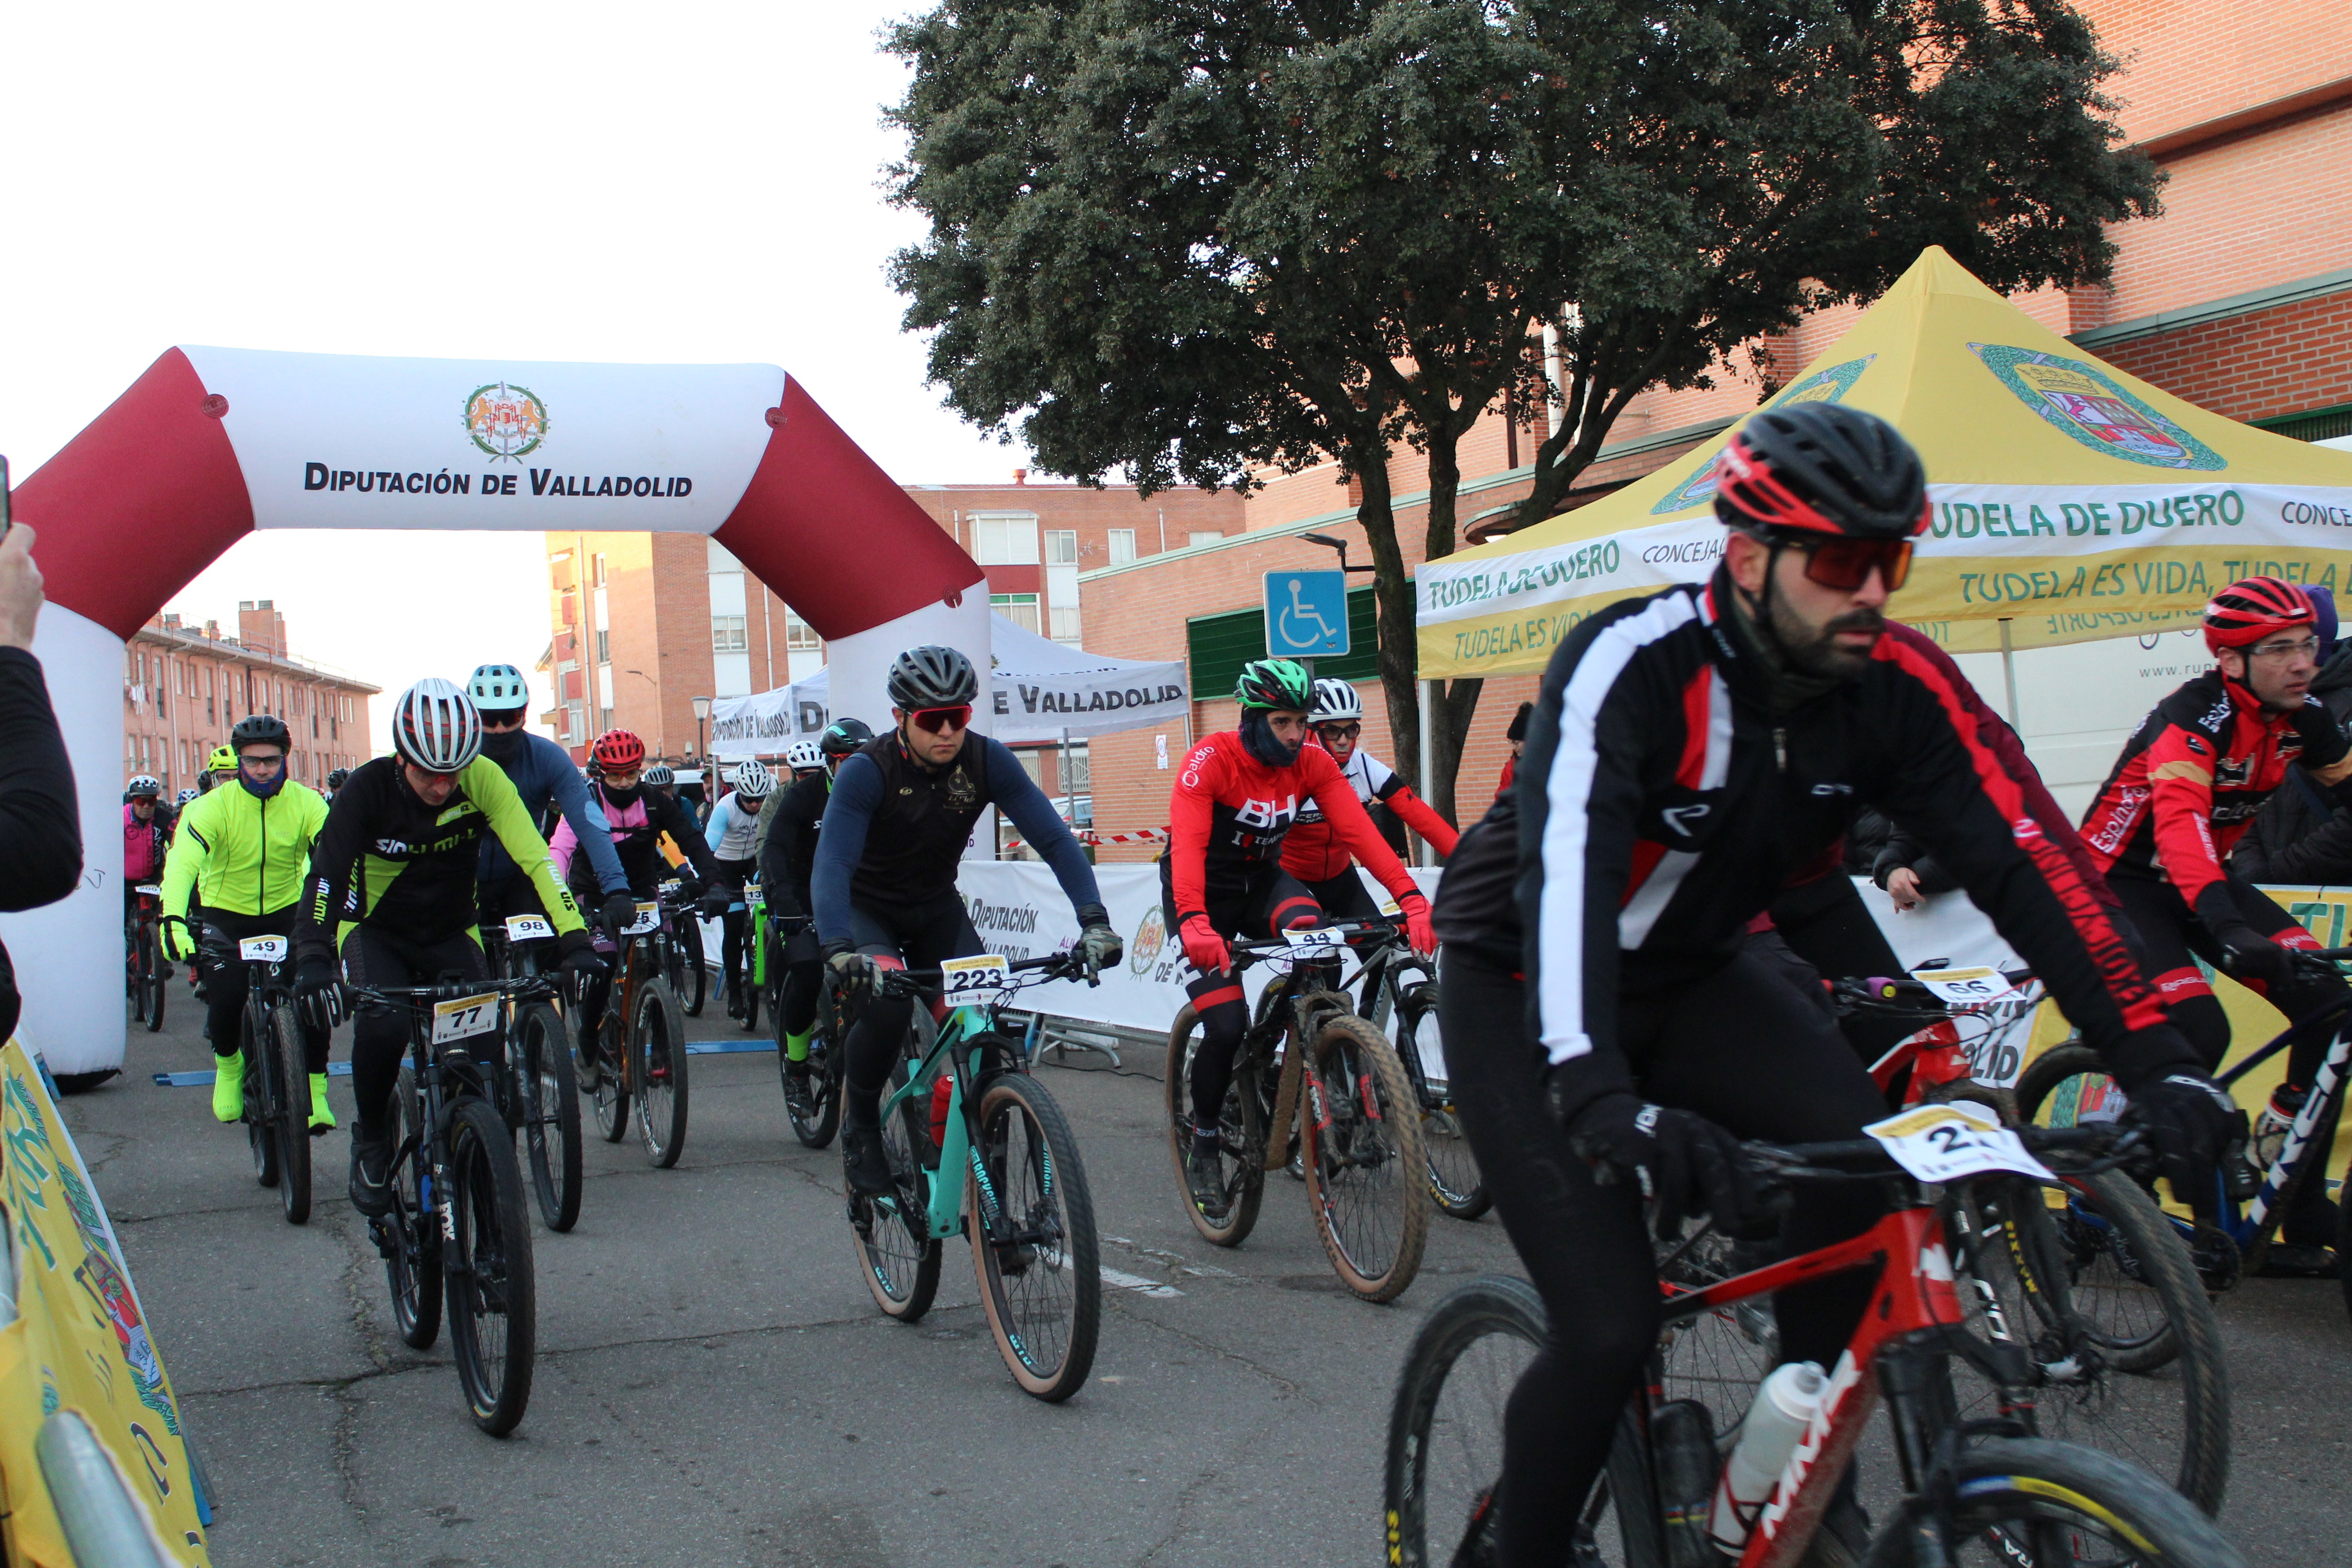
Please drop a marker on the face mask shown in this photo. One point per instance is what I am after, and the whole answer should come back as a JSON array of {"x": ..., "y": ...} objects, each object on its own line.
[
  {"x": 1258, "y": 739},
  {"x": 624, "y": 796},
  {"x": 262, "y": 792},
  {"x": 502, "y": 746}
]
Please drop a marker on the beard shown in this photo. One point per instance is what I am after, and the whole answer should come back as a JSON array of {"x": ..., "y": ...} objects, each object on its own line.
[{"x": 1815, "y": 651}]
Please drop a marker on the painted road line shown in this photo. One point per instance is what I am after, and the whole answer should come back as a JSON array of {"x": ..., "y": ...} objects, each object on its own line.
[
  {"x": 203, "y": 1079},
  {"x": 1136, "y": 1283}
]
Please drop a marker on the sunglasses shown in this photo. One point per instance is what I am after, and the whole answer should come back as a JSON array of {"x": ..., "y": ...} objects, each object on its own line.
[
  {"x": 931, "y": 720},
  {"x": 1846, "y": 564},
  {"x": 1340, "y": 731}
]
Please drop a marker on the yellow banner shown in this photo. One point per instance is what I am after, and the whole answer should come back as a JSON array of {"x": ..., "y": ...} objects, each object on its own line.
[{"x": 77, "y": 1342}]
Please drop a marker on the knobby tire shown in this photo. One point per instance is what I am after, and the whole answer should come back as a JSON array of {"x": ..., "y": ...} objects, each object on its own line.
[
  {"x": 1043, "y": 1292},
  {"x": 492, "y": 1288}
]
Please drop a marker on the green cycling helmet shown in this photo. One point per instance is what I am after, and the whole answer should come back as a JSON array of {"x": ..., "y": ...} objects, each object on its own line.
[{"x": 1274, "y": 683}]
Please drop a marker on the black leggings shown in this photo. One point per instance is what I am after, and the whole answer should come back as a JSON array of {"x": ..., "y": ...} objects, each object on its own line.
[
  {"x": 733, "y": 924},
  {"x": 1275, "y": 902},
  {"x": 226, "y": 977},
  {"x": 380, "y": 1035},
  {"x": 803, "y": 981},
  {"x": 920, "y": 938},
  {"x": 1737, "y": 1045}
]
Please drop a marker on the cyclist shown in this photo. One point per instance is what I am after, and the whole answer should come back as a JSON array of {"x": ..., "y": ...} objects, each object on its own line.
[
  {"x": 1313, "y": 851},
  {"x": 243, "y": 852},
  {"x": 544, "y": 776},
  {"x": 180, "y": 803},
  {"x": 1235, "y": 800},
  {"x": 804, "y": 758},
  {"x": 146, "y": 836},
  {"x": 335, "y": 782},
  {"x": 638, "y": 818},
  {"x": 660, "y": 779},
  {"x": 883, "y": 886},
  {"x": 391, "y": 892},
  {"x": 1690, "y": 751},
  {"x": 2188, "y": 785},
  {"x": 729, "y": 835},
  {"x": 219, "y": 768},
  {"x": 787, "y": 855}
]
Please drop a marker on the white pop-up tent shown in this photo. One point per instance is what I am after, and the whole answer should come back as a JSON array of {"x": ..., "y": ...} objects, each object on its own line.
[{"x": 1044, "y": 691}]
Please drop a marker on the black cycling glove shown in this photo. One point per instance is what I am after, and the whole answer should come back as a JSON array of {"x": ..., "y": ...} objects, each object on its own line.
[
  {"x": 579, "y": 954},
  {"x": 1098, "y": 944},
  {"x": 319, "y": 990},
  {"x": 619, "y": 910},
  {"x": 2197, "y": 1130},
  {"x": 2246, "y": 953},
  {"x": 714, "y": 901},
  {"x": 1686, "y": 1163}
]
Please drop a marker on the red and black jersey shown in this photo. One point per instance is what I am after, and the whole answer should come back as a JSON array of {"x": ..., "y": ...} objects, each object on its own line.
[
  {"x": 2195, "y": 776},
  {"x": 1314, "y": 852},
  {"x": 1229, "y": 813}
]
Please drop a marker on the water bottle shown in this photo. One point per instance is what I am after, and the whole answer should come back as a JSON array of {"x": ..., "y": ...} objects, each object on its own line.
[
  {"x": 1784, "y": 1407},
  {"x": 942, "y": 1087},
  {"x": 2273, "y": 1125},
  {"x": 1682, "y": 1444}
]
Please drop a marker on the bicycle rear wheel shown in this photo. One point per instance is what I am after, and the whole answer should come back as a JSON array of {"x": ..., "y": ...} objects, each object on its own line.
[
  {"x": 2029, "y": 1500},
  {"x": 687, "y": 977},
  {"x": 260, "y": 1125},
  {"x": 659, "y": 1040},
  {"x": 550, "y": 1111},
  {"x": 895, "y": 1246},
  {"x": 493, "y": 1298},
  {"x": 1241, "y": 1157},
  {"x": 1454, "y": 1183},
  {"x": 814, "y": 1103},
  {"x": 1367, "y": 1174},
  {"x": 612, "y": 1069},
  {"x": 290, "y": 1112},
  {"x": 151, "y": 972},
  {"x": 411, "y": 1242},
  {"x": 1041, "y": 1286}
]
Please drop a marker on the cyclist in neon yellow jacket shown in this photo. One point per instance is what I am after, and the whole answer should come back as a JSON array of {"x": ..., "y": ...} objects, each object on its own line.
[{"x": 242, "y": 851}]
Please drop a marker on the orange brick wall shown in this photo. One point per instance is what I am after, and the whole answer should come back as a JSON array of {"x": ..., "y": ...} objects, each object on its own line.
[
  {"x": 2188, "y": 63},
  {"x": 169, "y": 732},
  {"x": 2286, "y": 359}
]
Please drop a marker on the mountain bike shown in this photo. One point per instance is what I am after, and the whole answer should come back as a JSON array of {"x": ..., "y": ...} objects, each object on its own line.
[
  {"x": 682, "y": 964},
  {"x": 961, "y": 1099},
  {"x": 538, "y": 1092},
  {"x": 1399, "y": 994},
  {"x": 276, "y": 1074},
  {"x": 2067, "y": 1086},
  {"x": 755, "y": 949},
  {"x": 146, "y": 977},
  {"x": 1990, "y": 1490},
  {"x": 458, "y": 1230},
  {"x": 1308, "y": 1060},
  {"x": 812, "y": 1103},
  {"x": 639, "y": 1052}
]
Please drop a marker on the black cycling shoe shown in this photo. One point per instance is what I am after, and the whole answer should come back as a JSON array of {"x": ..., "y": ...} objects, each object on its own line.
[
  {"x": 1202, "y": 1176},
  {"x": 796, "y": 1070},
  {"x": 2298, "y": 1260},
  {"x": 734, "y": 1002},
  {"x": 370, "y": 1173},
  {"x": 862, "y": 1160}
]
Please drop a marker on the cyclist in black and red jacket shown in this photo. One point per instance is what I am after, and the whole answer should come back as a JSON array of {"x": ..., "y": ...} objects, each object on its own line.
[
  {"x": 1236, "y": 798},
  {"x": 2187, "y": 787}
]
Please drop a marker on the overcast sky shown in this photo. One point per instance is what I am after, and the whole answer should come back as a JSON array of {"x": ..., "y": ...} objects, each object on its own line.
[{"x": 686, "y": 184}]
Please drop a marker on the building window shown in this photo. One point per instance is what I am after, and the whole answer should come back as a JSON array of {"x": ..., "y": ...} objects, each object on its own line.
[
  {"x": 727, "y": 635},
  {"x": 604, "y": 643},
  {"x": 1021, "y": 609},
  {"x": 1122, "y": 546},
  {"x": 1066, "y": 623},
  {"x": 597, "y": 562},
  {"x": 1004, "y": 539},
  {"x": 1061, "y": 547},
  {"x": 1082, "y": 770},
  {"x": 799, "y": 636},
  {"x": 1203, "y": 536}
]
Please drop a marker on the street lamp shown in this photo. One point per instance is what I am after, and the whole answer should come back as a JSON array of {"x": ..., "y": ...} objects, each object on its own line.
[
  {"x": 1339, "y": 544},
  {"x": 701, "y": 712}
]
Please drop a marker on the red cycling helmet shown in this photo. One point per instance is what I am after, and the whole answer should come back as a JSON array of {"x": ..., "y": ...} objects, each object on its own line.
[
  {"x": 618, "y": 752},
  {"x": 2251, "y": 608},
  {"x": 1821, "y": 468}
]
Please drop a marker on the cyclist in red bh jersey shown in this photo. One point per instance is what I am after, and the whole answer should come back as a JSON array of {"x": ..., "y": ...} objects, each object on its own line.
[
  {"x": 1236, "y": 798},
  {"x": 1314, "y": 851}
]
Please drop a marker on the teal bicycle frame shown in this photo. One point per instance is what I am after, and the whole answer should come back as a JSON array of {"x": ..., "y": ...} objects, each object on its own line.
[{"x": 954, "y": 1042}]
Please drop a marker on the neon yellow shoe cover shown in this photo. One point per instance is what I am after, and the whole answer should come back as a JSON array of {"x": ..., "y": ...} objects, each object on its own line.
[
  {"x": 322, "y": 1115},
  {"x": 228, "y": 1087},
  {"x": 796, "y": 1045}
]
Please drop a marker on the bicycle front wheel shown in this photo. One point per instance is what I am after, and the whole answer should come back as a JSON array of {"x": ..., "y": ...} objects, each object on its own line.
[
  {"x": 1037, "y": 1257},
  {"x": 613, "y": 1070},
  {"x": 1367, "y": 1173},
  {"x": 260, "y": 1125},
  {"x": 290, "y": 1112},
  {"x": 551, "y": 1110},
  {"x": 895, "y": 1244},
  {"x": 1240, "y": 1137},
  {"x": 1453, "y": 1183},
  {"x": 151, "y": 965},
  {"x": 687, "y": 977},
  {"x": 812, "y": 1103},
  {"x": 2029, "y": 1500},
  {"x": 493, "y": 1296},
  {"x": 412, "y": 1231},
  {"x": 659, "y": 1040}
]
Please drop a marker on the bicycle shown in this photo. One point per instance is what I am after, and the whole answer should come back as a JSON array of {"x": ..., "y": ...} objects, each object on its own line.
[
  {"x": 755, "y": 948},
  {"x": 538, "y": 1092},
  {"x": 963, "y": 1100},
  {"x": 145, "y": 978},
  {"x": 277, "y": 1075},
  {"x": 682, "y": 964},
  {"x": 811, "y": 1104},
  {"x": 1988, "y": 1491},
  {"x": 2067, "y": 1086},
  {"x": 1398, "y": 995},
  {"x": 639, "y": 1055},
  {"x": 457, "y": 1228},
  {"x": 1359, "y": 1149}
]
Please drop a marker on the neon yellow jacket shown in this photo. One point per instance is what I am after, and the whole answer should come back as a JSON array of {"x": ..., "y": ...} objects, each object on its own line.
[{"x": 242, "y": 854}]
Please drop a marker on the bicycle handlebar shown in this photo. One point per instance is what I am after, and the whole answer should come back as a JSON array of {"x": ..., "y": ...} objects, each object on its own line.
[
  {"x": 2108, "y": 1145},
  {"x": 1257, "y": 950},
  {"x": 914, "y": 982},
  {"x": 527, "y": 987}
]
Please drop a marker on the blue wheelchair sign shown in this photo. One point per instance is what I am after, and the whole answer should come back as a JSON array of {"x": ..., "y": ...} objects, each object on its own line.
[{"x": 1306, "y": 615}]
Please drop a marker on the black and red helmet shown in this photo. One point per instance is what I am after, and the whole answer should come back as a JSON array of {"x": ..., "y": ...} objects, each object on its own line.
[
  {"x": 618, "y": 752},
  {"x": 1821, "y": 468},
  {"x": 2253, "y": 608}
]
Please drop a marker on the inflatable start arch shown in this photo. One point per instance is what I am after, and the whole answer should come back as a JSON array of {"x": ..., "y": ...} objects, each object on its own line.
[{"x": 210, "y": 443}]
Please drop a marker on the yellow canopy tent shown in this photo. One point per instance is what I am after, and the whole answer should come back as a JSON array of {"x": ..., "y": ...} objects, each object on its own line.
[{"x": 2072, "y": 501}]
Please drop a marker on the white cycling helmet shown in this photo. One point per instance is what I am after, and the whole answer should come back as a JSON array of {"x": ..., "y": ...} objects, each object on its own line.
[
  {"x": 436, "y": 727},
  {"x": 498, "y": 688},
  {"x": 752, "y": 780},
  {"x": 659, "y": 775},
  {"x": 143, "y": 783},
  {"x": 1335, "y": 700},
  {"x": 186, "y": 795},
  {"x": 802, "y": 755}
]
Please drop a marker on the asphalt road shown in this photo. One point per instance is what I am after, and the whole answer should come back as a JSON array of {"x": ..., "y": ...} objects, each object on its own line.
[{"x": 714, "y": 1386}]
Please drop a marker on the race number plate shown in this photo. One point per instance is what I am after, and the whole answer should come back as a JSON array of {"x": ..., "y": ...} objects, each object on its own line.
[
  {"x": 529, "y": 928},
  {"x": 1965, "y": 987},
  {"x": 670, "y": 887},
  {"x": 263, "y": 949},
  {"x": 752, "y": 894},
  {"x": 1323, "y": 941},
  {"x": 150, "y": 888},
  {"x": 961, "y": 979},
  {"x": 1946, "y": 1142},
  {"x": 648, "y": 917},
  {"x": 465, "y": 1017}
]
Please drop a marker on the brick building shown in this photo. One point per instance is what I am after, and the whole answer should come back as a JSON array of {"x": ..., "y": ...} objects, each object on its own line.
[
  {"x": 183, "y": 687},
  {"x": 2237, "y": 298}
]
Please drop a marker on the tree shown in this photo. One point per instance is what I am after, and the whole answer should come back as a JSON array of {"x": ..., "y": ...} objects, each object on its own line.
[{"x": 1191, "y": 240}]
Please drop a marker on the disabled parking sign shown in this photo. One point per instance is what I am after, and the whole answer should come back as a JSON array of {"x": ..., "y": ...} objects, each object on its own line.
[{"x": 1306, "y": 615}]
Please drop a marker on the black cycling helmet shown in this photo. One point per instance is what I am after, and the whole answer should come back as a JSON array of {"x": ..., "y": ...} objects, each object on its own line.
[
  {"x": 259, "y": 728},
  {"x": 1274, "y": 683},
  {"x": 1821, "y": 468},
  {"x": 844, "y": 736},
  {"x": 339, "y": 777},
  {"x": 933, "y": 677}
]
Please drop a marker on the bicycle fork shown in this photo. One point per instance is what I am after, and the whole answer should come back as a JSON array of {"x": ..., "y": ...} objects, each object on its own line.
[{"x": 2318, "y": 1102}]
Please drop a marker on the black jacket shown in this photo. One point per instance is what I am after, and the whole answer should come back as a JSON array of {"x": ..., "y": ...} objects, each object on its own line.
[
  {"x": 40, "y": 816},
  {"x": 2302, "y": 836},
  {"x": 790, "y": 853}
]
